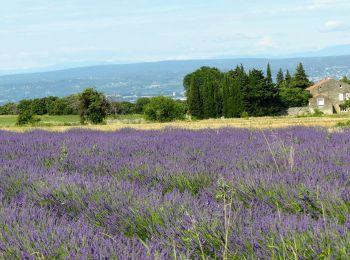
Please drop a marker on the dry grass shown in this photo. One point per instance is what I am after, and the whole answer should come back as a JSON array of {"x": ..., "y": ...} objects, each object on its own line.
[{"x": 253, "y": 123}]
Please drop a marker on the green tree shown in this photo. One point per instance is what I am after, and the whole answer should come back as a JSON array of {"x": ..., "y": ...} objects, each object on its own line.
[
  {"x": 140, "y": 104},
  {"x": 60, "y": 107},
  {"x": 38, "y": 106},
  {"x": 208, "y": 100},
  {"x": 280, "y": 77},
  {"x": 198, "y": 86},
  {"x": 292, "y": 96},
  {"x": 233, "y": 102},
  {"x": 164, "y": 109},
  {"x": 239, "y": 92},
  {"x": 300, "y": 79},
  {"x": 262, "y": 95},
  {"x": 345, "y": 79},
  {"x": 93, "y": 106},
  {"x": 194, "y": 99},
  {"x": 9, "y": 109},
  {"x": 122, "y": 108},
  {"x": 292, "y": 91},
  {"x": 288, "y": 77},
  {"x": 269, "y": 75},
  {"x": 25, "y": 105}
]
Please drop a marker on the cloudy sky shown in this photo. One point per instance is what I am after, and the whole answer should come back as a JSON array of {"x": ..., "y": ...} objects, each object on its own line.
[{"x": 41, "y": 34}]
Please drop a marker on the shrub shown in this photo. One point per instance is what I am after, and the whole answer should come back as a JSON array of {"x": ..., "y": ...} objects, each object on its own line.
[
  {"x": 164, "y": 109},
  {"x": 244, "y": 114},
  {"x": 317, "y": 112},
  {"x": 27, "y": 117}
]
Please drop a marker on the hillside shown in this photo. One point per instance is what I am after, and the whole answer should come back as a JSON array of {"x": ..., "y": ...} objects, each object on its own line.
[{"x": 127, "y": 82}]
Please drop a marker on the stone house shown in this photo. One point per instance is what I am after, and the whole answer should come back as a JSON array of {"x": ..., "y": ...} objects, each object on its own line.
[{"x": 328, "y": 96}]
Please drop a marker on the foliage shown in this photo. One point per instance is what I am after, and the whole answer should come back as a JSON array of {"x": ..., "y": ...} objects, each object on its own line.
[
  {"x": 140, "y": 105},
  {"x": 345, "y": 79},
  {"x": 122, "y": 108},
  {"x": 213, "y": 94},
  {"x": 318, "y": 112},
  {"x": 245, "y": 114},
  {"x": 210, "y": 194},
  {"x": 26, "y": 117},
  {"x": 43, "y": 106},
  {"x": 293, "y": 96},
  {"x": 300, "y": 79},
  {"x": 9, "y": 109},
  {"x": 204, "y": 92},
  {"x": 93, "y": 106},
  {"x": 347, "y": 104},
  {"x": 280, "y": 77},
  {"x": 164, "y": 109}
]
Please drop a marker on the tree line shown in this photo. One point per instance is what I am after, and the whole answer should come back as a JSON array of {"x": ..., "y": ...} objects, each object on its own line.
[
  {"x": 212, "y": 94},
  {"x": 93, "y": 107}
]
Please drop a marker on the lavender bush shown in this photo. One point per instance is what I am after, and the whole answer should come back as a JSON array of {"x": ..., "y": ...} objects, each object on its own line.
[{"x": 226, "y": 194}]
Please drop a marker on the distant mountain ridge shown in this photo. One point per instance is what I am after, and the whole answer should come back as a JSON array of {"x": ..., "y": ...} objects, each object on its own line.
[{"x": 130, "y": 81}]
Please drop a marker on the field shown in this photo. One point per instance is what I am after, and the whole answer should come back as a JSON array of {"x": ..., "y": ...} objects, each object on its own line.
[
  {"x": 63, "y": 123},
  {"x": 175, "y": 193}
]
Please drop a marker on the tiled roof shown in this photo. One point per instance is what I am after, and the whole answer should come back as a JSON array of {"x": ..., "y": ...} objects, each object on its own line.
[
  {"x": 318, "y": 95},
  {"x": 318, "y": 84}
]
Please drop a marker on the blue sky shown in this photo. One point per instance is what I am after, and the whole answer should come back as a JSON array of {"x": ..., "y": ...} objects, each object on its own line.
[{"x": 39, "y": 34}]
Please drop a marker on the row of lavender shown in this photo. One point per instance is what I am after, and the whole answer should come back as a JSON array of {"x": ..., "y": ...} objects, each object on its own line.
[{"x": 225, "y": 193}]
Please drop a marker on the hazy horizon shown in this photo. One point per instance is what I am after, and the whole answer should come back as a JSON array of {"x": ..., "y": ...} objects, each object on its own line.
[{"x": 42, "y": 34}]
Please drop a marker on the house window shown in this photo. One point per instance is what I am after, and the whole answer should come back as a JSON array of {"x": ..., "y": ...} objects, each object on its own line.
[
  {"x": 347, "y": 96},
  {"x": 320, "y": 102},
  {"x": 341, "y": 96}
]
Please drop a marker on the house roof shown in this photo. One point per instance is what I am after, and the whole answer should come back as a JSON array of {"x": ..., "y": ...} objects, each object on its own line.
[
  {"x": 320, "y": 95},
  {"x": 319, "y": 84}
]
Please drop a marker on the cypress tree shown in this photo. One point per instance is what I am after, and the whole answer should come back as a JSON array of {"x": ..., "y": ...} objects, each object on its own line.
[
  {"x": 269, "y": 75},
  {"x": 226, "y": 95},
  {"x": 300, "y": 78},
  {"x": 280, "y": 77},
  {"x": 236, "y": 99},
  {"x": 208, "y": 99},
  {"x": 218, "y": 101},
  {"x": 194, "y": 102},
  {"x": 288, "y": 76}
]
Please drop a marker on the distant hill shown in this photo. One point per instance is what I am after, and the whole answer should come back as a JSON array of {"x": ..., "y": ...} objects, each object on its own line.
[{"x": 130, "y": 81}]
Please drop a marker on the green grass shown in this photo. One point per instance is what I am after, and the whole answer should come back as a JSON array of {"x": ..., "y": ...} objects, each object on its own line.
[
  {"x": 45, "y": 120},
  {"x": 127, "y": 119},
  {"x": 8, "y": 120},
  {"x": 67, "y": 120},
  {"x": 345, "y": 124}
]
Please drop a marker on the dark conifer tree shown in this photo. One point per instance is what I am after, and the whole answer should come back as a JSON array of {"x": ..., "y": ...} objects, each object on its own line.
[
  {"x": 236, "y": 99},
  {"x": 300, "y": 78},
  {"x": 194, "y": 101},
  {"x": 288, "y": 76},
  {"x": 280, "y": 77},
  {"x": 218, "y": 101},
  {"x": 208, "y": 99},
  {"x": 269, "y": 75},
  {"x": 226, "y": 95}
]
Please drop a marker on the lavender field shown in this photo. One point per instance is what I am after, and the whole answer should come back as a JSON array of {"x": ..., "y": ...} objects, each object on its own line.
[{"x": 175, "y": 194}]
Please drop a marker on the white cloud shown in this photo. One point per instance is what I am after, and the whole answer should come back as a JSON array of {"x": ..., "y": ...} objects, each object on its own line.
[
  {"x": 334, "y": 26},
  {"x": 266, "y": 42}
]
